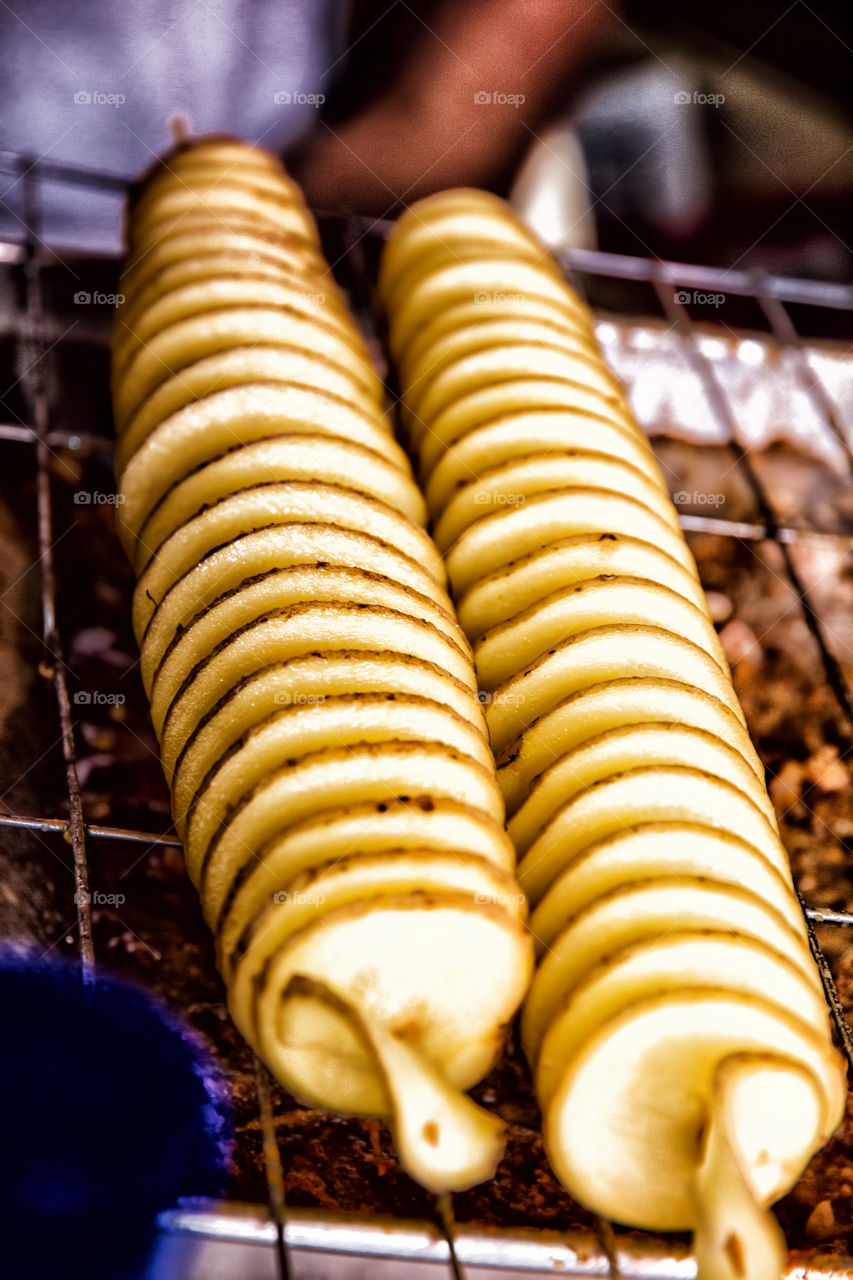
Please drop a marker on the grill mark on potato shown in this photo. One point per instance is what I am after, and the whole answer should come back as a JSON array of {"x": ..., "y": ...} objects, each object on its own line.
[
  {"x": 265, "y": 379},
  {"x": 355, "y": 655},
  {"x": 176, "y": 362},
  {"x": 372, "y": 458},
  {"x": 328, "y": 754},
  {"x": 364, "y": 697},
  {"x": 366, "y": 575},
  {"x": 305, "y": 487},
  {"x": 296, "y": 610},
  {"x": 297, "y": 526}
]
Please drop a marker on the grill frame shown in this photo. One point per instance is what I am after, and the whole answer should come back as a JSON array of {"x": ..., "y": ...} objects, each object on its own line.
[{"x": 294, "y": 1235}]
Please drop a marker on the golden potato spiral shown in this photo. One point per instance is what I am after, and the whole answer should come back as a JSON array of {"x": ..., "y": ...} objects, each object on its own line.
[
  {"x": 313, "y": 695},
  {"x": 675, "y": 1025}
]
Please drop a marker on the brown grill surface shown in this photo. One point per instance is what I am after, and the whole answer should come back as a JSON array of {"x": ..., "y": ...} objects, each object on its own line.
[{"x": 89, "y": 864}]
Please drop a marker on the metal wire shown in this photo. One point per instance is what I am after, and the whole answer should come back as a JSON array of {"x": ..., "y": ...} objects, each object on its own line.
[
  {"x": 274, "y": 1169},
  {"x": 444, "y": 1205},
  {"x": 61, "y": 827},
  {"x": 53, "y": 665},
  {"x": 772, "y": 294},
  {"x": 783, "y": 329}
]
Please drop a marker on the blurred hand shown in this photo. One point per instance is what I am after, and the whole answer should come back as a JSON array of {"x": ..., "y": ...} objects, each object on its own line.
[{"x": 460, "y": 108}]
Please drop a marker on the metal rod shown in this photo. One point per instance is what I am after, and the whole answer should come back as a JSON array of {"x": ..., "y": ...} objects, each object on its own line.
[
  {"x": 61, "y": 827},
  {"x": 822, "y": 915},
  {"x": 35, "y": 383},
  {"x": 444, "y": 1205},
  {"x": 785, "y": 332},
  {"x": 607, "y": 1239},
  {"x": 817, "y": 293},
  {"x": 836, "y": 1008},
  {"x": 16, "y": 164},
  {"x": 750, "y": 532},
  {"x": 273, "y": 1167},
  {"x": 78, "y": 441}
]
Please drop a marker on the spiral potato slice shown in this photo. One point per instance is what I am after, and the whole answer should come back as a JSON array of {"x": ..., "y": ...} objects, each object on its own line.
[
  {"x": 653, "y": 849},
  {"x": 524, "y": 435},
  {"x": 202, "y": 297},
  {"x": 525, "y": 477},
  {"x": 675, "y": 1025},
  {"x": 297, "y": 502},
  {"x": 522, "y": 395},
  {"x": 296, "y": 457},
  {"x": 187, "y": 341},
  {"x": 594, "y": 710},
  {"x": 279, "y": 598},
  {"x": 595, "y": 602},
  {"x": 516, "y": 586},
  {"x": 376, "y": 827},
  {"x": 302, "y": 682},
  {"x": 314, "y": 696},
  {"x": 234, "y": 368},
  {"x": 270, "y": 747},
  {"x": 210, "y": 243},
  {"x": 305, "y": 548},
  {"x": 205, "y": 430}
]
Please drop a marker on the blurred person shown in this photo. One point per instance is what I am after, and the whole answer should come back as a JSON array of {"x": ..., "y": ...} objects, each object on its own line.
[
  {"x": 95, "y": 84},
  {"x": 719, "y": 133},
  {"x": 374, "y": 104}
]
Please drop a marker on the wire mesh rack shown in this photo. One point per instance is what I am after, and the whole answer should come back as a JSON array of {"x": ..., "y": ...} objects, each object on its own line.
[{"x": 296, "y": 1242}]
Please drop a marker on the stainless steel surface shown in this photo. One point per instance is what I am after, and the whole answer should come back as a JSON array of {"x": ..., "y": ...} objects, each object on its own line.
[
  {"x": 209, "y": 1241},
  {"x": 346, "y": 1249}
]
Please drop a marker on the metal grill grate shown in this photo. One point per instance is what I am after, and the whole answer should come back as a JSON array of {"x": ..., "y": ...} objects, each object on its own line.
[{"x": 461, "y": 1250}]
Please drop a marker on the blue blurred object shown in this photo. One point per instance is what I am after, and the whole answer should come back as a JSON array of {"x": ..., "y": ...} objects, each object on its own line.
[{"x": 110, "y": 1110}]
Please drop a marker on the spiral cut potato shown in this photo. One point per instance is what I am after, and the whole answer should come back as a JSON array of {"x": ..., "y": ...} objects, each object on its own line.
[
  {"x": 676, "y": 1024},
  {"x": 313, "y": 695}
]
